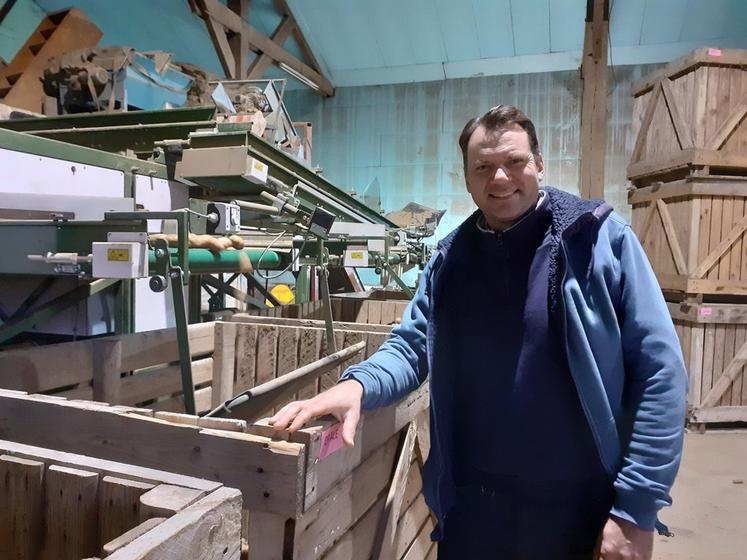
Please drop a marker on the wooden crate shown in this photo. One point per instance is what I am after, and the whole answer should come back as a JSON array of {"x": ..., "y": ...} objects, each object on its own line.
[
  {"x": 299, "y": 502},
  {"x": 689, "y": 118},
  {"x": 66, "y": 506},
  {"x": 130, "y": 369},
  {"x": 693, "y": 232},
  {"x": 714, "y": 344}
]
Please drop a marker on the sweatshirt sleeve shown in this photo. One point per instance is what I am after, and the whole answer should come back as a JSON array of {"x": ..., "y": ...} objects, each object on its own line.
[
  {"x": 400, "y": 365},
  {"x": 655, "y": 391}
]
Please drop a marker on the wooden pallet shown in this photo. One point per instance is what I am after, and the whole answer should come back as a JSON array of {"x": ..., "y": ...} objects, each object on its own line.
[
  {"x": 57, "y": 34},
  {"x": 370, "y": 310},
  {"x": 689, "y": 118},
  {"x": 714, "y": 343},
  {"x": 693, "y": 232},
  {"x": 66, "y": 506}
]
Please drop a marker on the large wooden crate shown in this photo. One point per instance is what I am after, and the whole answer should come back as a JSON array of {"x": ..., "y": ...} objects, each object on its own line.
[
  {"x": 298, "y": 502},
  {"x": 714, "y": 344},
  {"x": 67, "y": 507},
  {"x": 689, "y": 118},
  {"x": 693, "y": 232}
]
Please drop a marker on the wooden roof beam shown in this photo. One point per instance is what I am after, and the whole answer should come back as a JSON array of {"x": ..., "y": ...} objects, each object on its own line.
[
  {"x": 263, "y": 61},
  {"x": 265, "y": 45}
]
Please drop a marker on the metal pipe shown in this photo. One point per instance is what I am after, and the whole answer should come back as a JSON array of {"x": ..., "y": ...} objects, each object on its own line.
[
  {"x": 277, "y": 200},
  {"x": 250, "y": 405},
  {"x": 203, "y": 261},
  {"x": 264, "y": 208}
]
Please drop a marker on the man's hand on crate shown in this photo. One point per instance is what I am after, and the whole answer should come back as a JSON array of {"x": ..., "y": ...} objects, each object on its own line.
[{"x": 343, "y": 401}]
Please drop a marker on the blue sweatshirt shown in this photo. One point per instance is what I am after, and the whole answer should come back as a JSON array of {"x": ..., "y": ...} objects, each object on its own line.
[{"x": 622, "y": 351}]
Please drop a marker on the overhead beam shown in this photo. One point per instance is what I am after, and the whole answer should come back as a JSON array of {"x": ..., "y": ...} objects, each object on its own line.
[
  {"x": 594, "y": 99},
  {"x": 237, "y": 41},
  {"x": 283, "y": 8},
  {"x": 222, "y": 47},
  {"x": 263, "y": 44},
  {"x": 263, "y": 61}
]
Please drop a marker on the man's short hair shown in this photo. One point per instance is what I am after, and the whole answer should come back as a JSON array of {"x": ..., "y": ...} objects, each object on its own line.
[{"x": 498, "y": 117}]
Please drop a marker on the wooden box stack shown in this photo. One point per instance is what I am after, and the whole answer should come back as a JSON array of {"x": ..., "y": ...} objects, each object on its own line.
[{"x": 689, "y": 199}]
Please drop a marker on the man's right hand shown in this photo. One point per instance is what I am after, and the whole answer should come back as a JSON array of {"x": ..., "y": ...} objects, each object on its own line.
[{"x": 343, "y": 401}]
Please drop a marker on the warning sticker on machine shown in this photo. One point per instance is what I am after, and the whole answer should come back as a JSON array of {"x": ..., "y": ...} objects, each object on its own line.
[{"x": 118, "y": 255}]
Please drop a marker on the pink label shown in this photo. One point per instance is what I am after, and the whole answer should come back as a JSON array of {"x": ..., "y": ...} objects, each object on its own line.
[
  {"x": 331, "y": 441},
  {"x": 714, "y": 52},
  {"x": 706, "y": 311}
]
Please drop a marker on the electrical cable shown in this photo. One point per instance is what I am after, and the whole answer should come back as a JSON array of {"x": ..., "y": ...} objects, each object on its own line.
[{"x": 287, "y": 268}]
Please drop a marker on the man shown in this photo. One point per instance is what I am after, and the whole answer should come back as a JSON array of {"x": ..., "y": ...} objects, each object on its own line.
[{"x": 558, "y": 398}]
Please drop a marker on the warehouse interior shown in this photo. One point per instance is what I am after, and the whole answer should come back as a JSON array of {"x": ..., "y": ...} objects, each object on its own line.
[{"x": 213, "y": 208}]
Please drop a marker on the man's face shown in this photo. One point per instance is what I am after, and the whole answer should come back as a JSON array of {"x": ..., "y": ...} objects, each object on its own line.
[{"x": 503, "y": 175}]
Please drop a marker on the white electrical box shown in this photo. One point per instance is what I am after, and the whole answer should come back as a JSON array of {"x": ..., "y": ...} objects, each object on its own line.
[
  {"x": 256, "y": 171},
  {"x": 229, "y": 218},
  {"x": 120, "y": 259}
]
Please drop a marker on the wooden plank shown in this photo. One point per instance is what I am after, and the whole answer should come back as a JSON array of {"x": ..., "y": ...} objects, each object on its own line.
[
  {"x": 267, "y": 353},
  {"x": 643, "y": 132},
  {"x": 388, "y": 312},
  {"x": 385, "y": 538},
  {"x": 671, "y": 234},
  {"x": 727, "y": 241},
  {"x": 691, "y": 187},
  {"x": 146, "y": 385},
  {"x": 119, "y": 506},
  {"x": 720, "y": 414},
  {"x": 165, "y": 500},
  {"x": 412, "y": 521},
  {"x": 71, "y": 512},
  {"x": 125, "y": 538},
  {"x": 227, "y": 457},
  {"x": 267, "y": 536},
  {"x": 246, "y": 358},
  {"x": 374, "y": 312},
  {"x": 107, "y": 370},
  {"x": 422, "y": 544},
  {"x": 320, "y": 526},
  {"x": 362, "y": 315},
  {"x": 260, "y": 64},
  {"x": 728, "y": 354},
  {"x": 220, "y": 42},
  {"x": 309, "y": 349},
  {"x": 726, "y": 378},
  {"x": 21, "y": 496},
  {"x": 288, "y": 340},
  {"x": 308, "y": 323},
  {"x": 329, "y": 380},
  {"x": 681, "y": 129},
  {"x": 709, "y": 345},
  {"x": 104, "y": 467},
  {"x": 737, "y": 387},
  {"x": 718, "y": 352},
  {"x": 224, "y": 363},
  {"x": 594, "y": 100},
  {"x": 358, "y": 541},
  {"x": 210, "y": 528},
  {"x": 696, "y": 365},
  {"x": 721, "y": 135},
  {"x": 229, "y": 424},
  {"x": 203, "y": 398}
]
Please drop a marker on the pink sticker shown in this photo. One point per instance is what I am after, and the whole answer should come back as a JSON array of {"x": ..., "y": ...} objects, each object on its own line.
[
  {"x": 331, "y": 441},
  {"x": 705, "y": 311},
  {"x": 714, "y": 52}
]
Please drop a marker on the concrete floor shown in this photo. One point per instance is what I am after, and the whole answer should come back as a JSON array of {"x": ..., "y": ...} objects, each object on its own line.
[{"x": 709, "y": 514}]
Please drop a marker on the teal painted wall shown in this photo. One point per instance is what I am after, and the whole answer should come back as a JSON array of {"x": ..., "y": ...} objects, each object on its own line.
[
  {"x": 21, "y": 21},
  {"x": 405, "y": 135}
]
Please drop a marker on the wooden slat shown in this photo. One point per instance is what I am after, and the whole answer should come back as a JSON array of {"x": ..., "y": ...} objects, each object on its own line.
[
  {"x": 319, "y": 527},
  {"x": 311, "y": 323},
  {"x": 422, "y": 543},
  {"x": 288, "y": 340},
  {"x": 210, "y": 528},
  {"x": 107, "y": 370},
  {"x": 374, "y": 312},
  {"x": 671, "y": 234},
  {"x": 385, "y": 539},
  {"x": 71, "y": 512},
  {"x": 721, "y": 135},
  {"x": 720, "y": 414},
  {"x": 267, "y": 348},
  {"x": 267, "y": 535},
  {"x": 358, "y": 541},
  {"x": 165, "y": 500},
  {"x": 726, "y": 378},
  {"x": 224, "y": 363},
  {"x": 203, "y": 399},
  {"x": 246, "y": 358},
  {"x": 152, "y": 383},
  {"x": 680, "y": 127},
  {"x": 712, "y": 258},
  {"x": 119, "y": 506},
  {"x": 21, "y": 496},
  {"x": 104, "y": 467},
  {"x": 227, "y": 457},
  {"x": 412, "y": 521},
  {"x": 309, "y": 351},
  {"x": 126, "y": 537},
  {"x": 643, "y": 132}
]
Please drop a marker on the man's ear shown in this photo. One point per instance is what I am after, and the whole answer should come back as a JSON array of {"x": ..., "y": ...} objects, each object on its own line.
[{"x": 540, "y": 162}]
